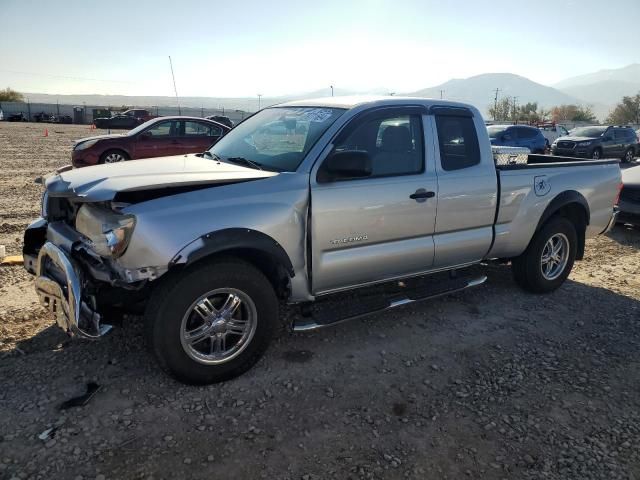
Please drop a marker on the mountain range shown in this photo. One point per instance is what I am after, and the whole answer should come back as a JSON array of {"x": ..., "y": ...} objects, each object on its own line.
[{"x": 601, "y": 90}]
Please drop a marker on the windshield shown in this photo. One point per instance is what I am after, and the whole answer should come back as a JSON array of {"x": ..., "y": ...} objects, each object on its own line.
[
  {"x": 276, "y": 138},
  {"x": 588, "y": 131},
  {"x": 141, "y": 127},
  {"x": 495, "y": 132}
]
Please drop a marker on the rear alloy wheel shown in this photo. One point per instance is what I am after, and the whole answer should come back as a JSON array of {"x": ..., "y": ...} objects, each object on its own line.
[
  {"x": 628, "y": 156},
  {"x": 549, "y": 258},
  {"x": 597, "y": 154},
  {"x": 113, "y": 156}
]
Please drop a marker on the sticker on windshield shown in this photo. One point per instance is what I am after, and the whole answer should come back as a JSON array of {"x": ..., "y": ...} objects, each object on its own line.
[{"x": 315, "y": 114}]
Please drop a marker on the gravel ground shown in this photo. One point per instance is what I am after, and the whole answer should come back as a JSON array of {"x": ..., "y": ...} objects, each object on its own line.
[{"x": 491, "y": 383}]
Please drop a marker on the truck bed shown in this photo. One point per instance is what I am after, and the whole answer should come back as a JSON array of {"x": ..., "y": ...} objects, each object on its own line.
[
  {"x": 541, "y": 161},
  {"x": 526, "y": 190}
]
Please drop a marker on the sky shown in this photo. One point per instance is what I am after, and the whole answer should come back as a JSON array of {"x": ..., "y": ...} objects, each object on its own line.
[{"x": 242, "y": 48}]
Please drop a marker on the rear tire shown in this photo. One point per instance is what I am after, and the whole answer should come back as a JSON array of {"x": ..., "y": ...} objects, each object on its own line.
[
  {"x": 174, "y": 321},
  {"x": 628, "y": 156},
  {"x": 530, "y": 270}
]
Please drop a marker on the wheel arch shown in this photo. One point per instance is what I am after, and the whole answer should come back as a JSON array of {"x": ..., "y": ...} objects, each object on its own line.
[
  {"x": 573, "y": 206},
  {"x": 253, "y": 246}
]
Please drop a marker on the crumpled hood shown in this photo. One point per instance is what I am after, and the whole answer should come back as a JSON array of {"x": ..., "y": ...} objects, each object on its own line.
[{"x": 101, "y": 182}]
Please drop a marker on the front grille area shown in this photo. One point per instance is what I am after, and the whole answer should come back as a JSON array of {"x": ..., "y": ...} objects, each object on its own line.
[
  {"x": 59, "y": 208},
  {"x": 630, "y": 194},
  {"x": 566, "y": 144}
]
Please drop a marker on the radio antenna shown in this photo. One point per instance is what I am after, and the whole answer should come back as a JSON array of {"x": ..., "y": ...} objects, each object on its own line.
[{"x": 175, "y": 89}]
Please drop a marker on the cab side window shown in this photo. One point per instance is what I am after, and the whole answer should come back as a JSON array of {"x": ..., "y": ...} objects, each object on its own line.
[
  {"x": 162, "y": 129},
  {"x": 394, "y": 143},
  {"x": 458, "y": 142}
]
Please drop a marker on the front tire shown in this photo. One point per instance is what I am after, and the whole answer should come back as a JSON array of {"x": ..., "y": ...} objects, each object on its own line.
[
  {"x": 113, "y": 156},
  {"x": 596, "y": 154},
  {"x": 549, "y": 258},
  {"x": 213, "y": 322},
  {"x": 628, "y": 156}
]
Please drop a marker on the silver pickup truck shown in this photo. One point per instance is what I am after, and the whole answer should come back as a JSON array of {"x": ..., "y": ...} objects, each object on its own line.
[{"x": 302, "y": 204}]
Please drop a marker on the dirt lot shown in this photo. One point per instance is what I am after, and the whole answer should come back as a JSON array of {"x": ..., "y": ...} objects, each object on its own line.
[{"x": 492, "y": 383}]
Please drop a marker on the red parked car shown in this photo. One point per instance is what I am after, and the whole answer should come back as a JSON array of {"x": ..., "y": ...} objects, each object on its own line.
[{"x": 160, "y": 137}]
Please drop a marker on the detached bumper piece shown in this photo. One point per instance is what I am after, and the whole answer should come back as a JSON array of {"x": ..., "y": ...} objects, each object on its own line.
[{"x": 59, "y": 286}]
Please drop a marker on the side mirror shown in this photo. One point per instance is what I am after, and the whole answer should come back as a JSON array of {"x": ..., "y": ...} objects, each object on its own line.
[
  {"x": 506, "y": 137},
  {"x": 348, "y": 164},
  {"x": 145, "y": 136},
  {"x": 608, "y": 138}
]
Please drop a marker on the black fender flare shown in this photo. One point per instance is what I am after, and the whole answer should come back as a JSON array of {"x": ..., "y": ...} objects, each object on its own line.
[
  {"x": 568, "y": 197},
  {"x": 228, "y": 239},
  {"x": 562, "y": 200}
]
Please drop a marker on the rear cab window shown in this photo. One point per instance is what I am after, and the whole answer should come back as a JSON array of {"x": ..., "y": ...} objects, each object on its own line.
[{"x": 458, "y": 142}]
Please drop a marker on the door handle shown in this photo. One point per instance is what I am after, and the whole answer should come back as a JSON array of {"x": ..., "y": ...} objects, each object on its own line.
[{"x": 422, "y": 194}]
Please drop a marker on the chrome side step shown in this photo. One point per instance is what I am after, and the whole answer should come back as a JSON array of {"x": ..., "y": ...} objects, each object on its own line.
[{"x": 314, "y": 322}]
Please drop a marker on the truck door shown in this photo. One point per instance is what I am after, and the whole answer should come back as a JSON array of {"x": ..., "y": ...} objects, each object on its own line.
[
  {"x": 467, "y": 189},
  {"x": 378, "y": 227}
]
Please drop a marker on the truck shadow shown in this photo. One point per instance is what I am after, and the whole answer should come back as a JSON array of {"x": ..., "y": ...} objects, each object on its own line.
[
  {"x": 489, "y": 307},
  {"x": 626, "y": 235}
]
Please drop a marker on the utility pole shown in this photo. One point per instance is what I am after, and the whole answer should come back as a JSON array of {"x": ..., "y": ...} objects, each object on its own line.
[
  {"x": 331, "y": 87},
  {"x": 441, "y": 94},
  {"x": 515, "y": 109},
  {"x": 259, "y": 100},
  {"x": 495, "y": 105}
]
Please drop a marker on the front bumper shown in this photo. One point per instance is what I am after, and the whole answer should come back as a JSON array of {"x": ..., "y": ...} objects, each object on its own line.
[
  {"x": 59, "y": 286},
  {"x": 579, "y": 152}
]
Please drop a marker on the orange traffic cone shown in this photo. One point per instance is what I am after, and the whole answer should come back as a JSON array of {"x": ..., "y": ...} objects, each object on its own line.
[{"x": 46, "y": 132}]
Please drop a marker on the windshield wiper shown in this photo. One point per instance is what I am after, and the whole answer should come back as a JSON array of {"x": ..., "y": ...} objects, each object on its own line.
[
  {"x": 213, "y": 156},
  {"x": 245, "y": 161}
]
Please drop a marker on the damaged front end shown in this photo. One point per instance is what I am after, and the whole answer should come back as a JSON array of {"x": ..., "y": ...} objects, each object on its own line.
[
  {"x": 59, "y": 286},
  {"x": 78, "y": 251},
  {"x": 81, "y": 289}
]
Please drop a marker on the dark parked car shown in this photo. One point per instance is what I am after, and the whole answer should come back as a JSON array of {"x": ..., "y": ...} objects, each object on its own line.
[
  {"x": 221, "y": 119},
  {"x": 61, "y": 119},
  {"x": 42, "y": 117},
  {"x": 159, "y": 137},
  {"x": 629, "y": 203},
  {"x": 17, "y": 117},
  {"x": 517, "y": 136},
  {"x": 125, "y": 120},
  {"x": 598, "y": 142}
]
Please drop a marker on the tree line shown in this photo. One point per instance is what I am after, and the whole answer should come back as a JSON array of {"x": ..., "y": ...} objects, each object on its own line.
[{"x": 507, "y": 110}]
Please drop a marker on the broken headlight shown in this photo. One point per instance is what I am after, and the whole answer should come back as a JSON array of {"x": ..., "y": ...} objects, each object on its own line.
[{"x": 109, "y": 232}]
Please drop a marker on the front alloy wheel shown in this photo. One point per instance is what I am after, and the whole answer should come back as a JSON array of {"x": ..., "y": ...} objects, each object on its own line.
[
  {"x": 218, "y": 326},
  {"x": 114, "y": 157},
  {"x": 212, "y": 321}
]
